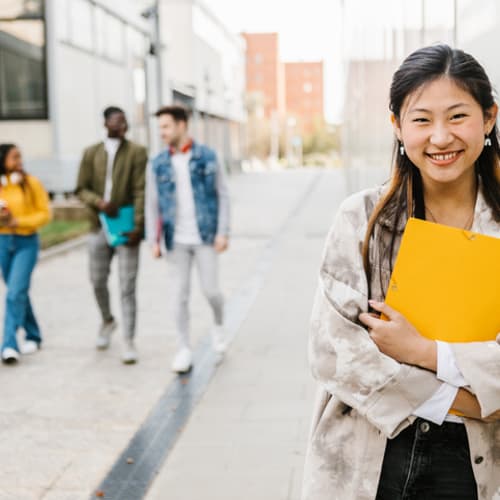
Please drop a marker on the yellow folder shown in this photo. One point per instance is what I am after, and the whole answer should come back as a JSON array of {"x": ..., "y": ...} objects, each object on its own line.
[{"x": 446, "y": 282}]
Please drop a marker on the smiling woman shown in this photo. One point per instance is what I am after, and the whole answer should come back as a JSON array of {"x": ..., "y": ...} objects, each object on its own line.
[{"x": 386, "y": 425}]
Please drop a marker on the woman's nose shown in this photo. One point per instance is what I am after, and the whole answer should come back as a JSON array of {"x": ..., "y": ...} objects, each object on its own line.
[{"x": 440, "y": 136}]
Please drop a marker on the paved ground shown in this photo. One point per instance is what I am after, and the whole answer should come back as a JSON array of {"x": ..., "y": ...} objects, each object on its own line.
[{"x": 68, "y": 412}]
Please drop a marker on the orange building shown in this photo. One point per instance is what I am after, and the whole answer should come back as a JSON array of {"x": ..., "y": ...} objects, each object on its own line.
[
  {"x": 265, "y": 71},
  {"x": 304, "y": 93}
]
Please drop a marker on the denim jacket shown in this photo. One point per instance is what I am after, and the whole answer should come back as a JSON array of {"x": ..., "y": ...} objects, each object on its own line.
[{"x": 209, "y": 191}]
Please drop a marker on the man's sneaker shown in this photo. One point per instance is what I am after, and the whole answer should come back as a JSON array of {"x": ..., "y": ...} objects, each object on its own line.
[
  {"x": 129, "y": 355},
  {"x": 10, "y": 356},
  {"x": 183, "y": 361},
  {"x": 219, "y": 339},
  {"x": 104, "y": 335},
  {"x": 29, "y": 347}
]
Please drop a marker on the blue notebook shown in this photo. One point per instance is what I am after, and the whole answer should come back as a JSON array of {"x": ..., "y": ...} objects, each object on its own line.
[{"x": 114, "y": 227}]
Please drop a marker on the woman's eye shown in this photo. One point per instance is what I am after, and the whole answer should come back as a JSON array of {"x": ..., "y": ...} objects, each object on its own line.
[
  {"x": 458, "y": 116},
  {"x": 420, "y": 120}
]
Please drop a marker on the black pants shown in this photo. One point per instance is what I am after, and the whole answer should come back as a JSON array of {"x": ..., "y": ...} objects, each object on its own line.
[{"x": 428, "y": 462}]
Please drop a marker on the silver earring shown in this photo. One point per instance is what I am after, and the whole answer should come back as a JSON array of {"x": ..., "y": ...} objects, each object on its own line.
[
  {"x": 487, "y": 141},
  {"x": 401, "y": 149}
]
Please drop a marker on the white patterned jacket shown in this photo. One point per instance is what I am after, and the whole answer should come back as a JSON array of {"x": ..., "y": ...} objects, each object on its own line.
[{"x": 365, "y": 397}]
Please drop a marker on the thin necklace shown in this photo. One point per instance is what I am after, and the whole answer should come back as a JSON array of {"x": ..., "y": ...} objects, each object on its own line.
[{"x": 467, "y": 225}]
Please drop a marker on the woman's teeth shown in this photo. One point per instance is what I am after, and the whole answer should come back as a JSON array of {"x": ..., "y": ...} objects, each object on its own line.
[{"x": 447, "y": 156}]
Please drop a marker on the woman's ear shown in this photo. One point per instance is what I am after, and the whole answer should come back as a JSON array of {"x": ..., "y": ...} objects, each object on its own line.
[
  {"x": 490, "y": 119},
  {"x": 395, "y": 126}
]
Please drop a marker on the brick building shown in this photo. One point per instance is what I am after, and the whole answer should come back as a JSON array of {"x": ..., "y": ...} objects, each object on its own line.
[
  {"x": 293, "y": 89},
  {"x": 304, "y": 93},
  {"x": 265, "y": 72}
]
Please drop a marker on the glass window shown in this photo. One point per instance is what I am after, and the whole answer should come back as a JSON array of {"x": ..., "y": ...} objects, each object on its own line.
[
  {"x": 100, "y": 31},
  {"x": 62, "y": 20},
  {"x": 81, "y": 24},
  {"x": 110, "y": 35},
  {"x": 21, "y": 9},
  {"x": 23, "y": 81},
  {"x": 114, "y": 38}
]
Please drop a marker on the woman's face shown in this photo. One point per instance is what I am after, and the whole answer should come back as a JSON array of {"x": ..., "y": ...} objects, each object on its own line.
[
  {"x": 443, "y": 129},
  {"x": 13, "y": 160}
]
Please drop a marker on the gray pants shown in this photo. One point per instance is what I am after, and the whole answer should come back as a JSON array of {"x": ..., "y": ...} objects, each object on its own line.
[
  {"x": 100, "y": 256},
  {"x": 180, "y": 261}
]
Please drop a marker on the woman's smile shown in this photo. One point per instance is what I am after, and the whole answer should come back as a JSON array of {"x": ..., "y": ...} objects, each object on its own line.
[{"x": 445, "y": 158}]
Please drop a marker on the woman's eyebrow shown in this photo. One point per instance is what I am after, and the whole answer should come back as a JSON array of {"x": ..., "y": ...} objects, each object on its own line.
[{"x": 424, "y": 110}]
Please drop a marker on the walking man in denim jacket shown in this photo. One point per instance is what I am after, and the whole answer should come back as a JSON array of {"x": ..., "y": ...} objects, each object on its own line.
[{"x": 187, "y": 203}]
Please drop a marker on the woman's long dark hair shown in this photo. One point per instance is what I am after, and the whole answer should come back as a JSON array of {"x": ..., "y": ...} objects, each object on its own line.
[
  {"x": 4, "y": 151},
  {"x": 404, "y": 197}
]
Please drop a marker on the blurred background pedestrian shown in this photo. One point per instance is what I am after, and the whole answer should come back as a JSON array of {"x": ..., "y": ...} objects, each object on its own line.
[{"x": 24, "y": 208}]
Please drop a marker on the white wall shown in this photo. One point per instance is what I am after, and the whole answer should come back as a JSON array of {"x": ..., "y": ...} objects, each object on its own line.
[
  {"x": 178, "y": 45},
  {"x": 34, "y": 137},
  {"x": 478, "y": 32}
]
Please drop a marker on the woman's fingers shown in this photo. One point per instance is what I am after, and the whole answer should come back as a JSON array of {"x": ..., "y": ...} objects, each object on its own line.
[
  {"x": 369, "y": 319},
  {"x": 383, "y": 308}
]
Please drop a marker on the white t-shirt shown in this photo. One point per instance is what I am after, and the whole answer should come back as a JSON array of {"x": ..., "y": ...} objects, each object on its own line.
[
  {"x": 111, "y": 146},
  {"x": 186, "y": 226}
]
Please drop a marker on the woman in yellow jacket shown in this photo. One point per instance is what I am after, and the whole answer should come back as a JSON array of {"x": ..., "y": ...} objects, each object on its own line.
[{"x": 24, "y": 208}]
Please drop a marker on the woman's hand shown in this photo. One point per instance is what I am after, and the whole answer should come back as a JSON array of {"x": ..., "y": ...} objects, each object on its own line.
[
  {"x": 398, "y": 338},
  {"x": 6, "y": 218},
  {"x": 156, "y": 251},
  {"x": 468, "y": 406}
]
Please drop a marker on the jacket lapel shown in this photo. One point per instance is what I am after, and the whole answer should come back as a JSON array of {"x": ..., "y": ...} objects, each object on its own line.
[{"x": 100, "y": 162}]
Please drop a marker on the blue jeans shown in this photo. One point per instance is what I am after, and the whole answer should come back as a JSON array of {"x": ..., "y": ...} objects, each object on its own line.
[
  {"x": 428, "y": 462},
  {"x": 18, "y": 256}
]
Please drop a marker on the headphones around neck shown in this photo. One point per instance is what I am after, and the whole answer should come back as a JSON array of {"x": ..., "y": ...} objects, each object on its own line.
[{"x": 13, "y": 178}]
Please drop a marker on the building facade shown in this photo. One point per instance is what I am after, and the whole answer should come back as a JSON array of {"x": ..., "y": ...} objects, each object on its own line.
[
  {"x": 304, "y": 94},
  {"x": 203, "y": 68},
  {"x": 63, "y": 61},
  {"x": 265, "y": 73}
]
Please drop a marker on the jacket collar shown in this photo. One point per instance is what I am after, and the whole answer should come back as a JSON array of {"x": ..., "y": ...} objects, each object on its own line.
[
  {"x": 196, "y": 152},
  {"x": 483, "y": 216},
  {"x": 187, "y": 147},
  {"x": 482, "y": 222}
]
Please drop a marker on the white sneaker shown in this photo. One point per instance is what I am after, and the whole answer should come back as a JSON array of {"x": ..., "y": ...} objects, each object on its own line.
[
  {"x": 219, "y": 339},
  {"x": 129, "y": 355},
  {"x": 183, "y": 361},
  {"x": 104, "y": 335},
  {"x": 10, "y": 355},
  {"x": 29, "y": 347}
]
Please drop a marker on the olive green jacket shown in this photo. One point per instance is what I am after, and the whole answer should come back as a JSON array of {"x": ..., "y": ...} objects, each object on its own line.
[{"x": 129, "y": 170}]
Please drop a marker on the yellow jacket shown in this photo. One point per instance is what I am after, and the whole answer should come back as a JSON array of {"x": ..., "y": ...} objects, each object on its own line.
[{"x": 29, "y": 206}]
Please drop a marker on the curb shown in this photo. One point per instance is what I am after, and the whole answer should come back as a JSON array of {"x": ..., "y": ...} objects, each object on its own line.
[{"x": 63, "y": 248}]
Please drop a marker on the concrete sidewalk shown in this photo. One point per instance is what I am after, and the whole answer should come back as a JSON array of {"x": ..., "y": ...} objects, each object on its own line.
[
  {"x": 247, "y": 437},
  {"x": 69, "y": 411}
]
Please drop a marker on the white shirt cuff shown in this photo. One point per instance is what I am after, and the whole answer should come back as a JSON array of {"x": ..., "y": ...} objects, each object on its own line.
[
  {"x": 447, "y": 369},
  {"x": 438, "y": 405}
]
